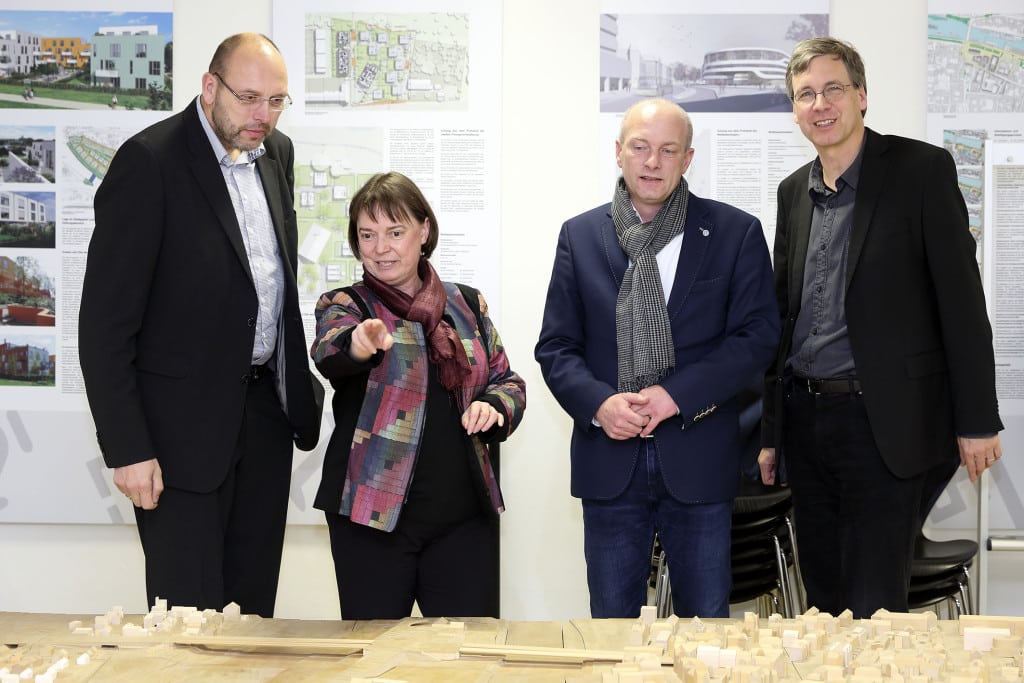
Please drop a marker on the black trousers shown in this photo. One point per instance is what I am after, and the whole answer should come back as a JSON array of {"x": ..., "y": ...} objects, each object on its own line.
[
  {"x": 206, "y": 549},
  {"x": 855, "y": 522},
  {"x": 449, "y": 570}
]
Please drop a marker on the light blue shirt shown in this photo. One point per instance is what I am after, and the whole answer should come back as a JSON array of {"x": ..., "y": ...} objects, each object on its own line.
[{"x": 250, "y": 203}]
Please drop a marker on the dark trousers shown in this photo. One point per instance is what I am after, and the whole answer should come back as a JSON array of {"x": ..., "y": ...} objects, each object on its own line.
[
  {"x": 211, "y": 548},
  {"x": 449, "y": 570},
  {"x": 855, "y": 522}
]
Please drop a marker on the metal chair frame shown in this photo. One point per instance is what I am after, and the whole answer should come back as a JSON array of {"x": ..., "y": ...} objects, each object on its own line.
[{"x": 940, "y": 572}]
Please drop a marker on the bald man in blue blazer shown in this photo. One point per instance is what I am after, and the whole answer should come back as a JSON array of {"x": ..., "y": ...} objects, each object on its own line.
[{"x": 659, "y": 312}]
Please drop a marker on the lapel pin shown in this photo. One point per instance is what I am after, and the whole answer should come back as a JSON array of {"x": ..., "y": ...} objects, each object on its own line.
[{"x": 705, "y": 232}]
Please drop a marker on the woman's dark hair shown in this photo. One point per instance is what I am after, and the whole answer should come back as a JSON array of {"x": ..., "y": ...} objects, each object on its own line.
[{"x": 395, "y": 196}]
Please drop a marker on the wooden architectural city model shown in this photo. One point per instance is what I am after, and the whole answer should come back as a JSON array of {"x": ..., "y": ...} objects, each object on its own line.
[{"x": 888, "y": 648}]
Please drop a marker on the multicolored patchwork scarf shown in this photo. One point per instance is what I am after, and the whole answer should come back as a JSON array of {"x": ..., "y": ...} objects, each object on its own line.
[{"x": 427, "y": 308}]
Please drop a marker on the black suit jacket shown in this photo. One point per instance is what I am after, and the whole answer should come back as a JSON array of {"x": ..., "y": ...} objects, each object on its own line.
[
  {"x": 168, "y": 309},
  {"x": 915, "y": 308}
]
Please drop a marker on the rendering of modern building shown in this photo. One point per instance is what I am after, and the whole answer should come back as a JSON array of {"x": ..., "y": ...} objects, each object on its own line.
[
  {"x": 127, "y": 57},
  {"x": 66, "y": 53},
  {"x": 615, "y": 70},
  {"x": 18, "y": 208},
  {"x": 19, "y": 52},
  {"x": 24, "y": 361},
  {"x": 15, "y": 282},
  {"x": 651, "y": 77},
  {"x": 632, "y": 72},
  {"x": 745, "y": 66},
  {"x": 43, "y": 151}
]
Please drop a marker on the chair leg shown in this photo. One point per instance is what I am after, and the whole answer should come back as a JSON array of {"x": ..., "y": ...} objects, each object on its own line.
[
  {"x": 959, "y": 606},
  {"x": 964, "y": 598},
  {"x": 782, "y": 576},
  {"x": 800, "y": 598},
  {"x": 663, "y": 589},
  {"x": 766, "y": 604},
  {"x": 965, "y": 588}
]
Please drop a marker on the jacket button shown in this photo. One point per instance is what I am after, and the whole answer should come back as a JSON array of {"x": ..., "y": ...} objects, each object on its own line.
[{"x": 251, "y": 322}]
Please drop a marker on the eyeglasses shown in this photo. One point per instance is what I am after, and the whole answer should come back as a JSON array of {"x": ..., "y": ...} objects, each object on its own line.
[
  {"x": 831, "y": 93},
  {"x": 277, "y": 103}
]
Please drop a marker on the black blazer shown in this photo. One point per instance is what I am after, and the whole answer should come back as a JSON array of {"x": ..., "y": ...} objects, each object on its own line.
[
  {"x": 915, "y": 308},
  {"x": 168, "y": 309}
]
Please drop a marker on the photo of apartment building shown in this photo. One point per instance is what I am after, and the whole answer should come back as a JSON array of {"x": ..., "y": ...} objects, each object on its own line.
[{"x": 128, "y": 57}]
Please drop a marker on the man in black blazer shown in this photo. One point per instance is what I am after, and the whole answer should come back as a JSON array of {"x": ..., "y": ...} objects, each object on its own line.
[
  {"x": 191, "y": 339},
  {"x": 885, "y": 374}
]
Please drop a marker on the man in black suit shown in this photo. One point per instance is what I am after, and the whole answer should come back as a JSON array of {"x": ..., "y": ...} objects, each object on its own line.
[
  {"x": 885, "y": 372},
  {"x": 191, "y": 339}
]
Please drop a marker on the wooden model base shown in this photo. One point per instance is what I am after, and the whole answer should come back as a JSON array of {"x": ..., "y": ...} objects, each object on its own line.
[{"x": 183, "y": 644}]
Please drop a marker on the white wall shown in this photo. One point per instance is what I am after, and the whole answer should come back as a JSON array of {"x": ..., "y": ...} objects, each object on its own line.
[{"x": 549, "y": 170}]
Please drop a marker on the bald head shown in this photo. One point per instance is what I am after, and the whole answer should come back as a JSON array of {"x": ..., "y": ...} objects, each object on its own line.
[
  {"x": 246, "y": 74},
  {"x": 256, "y": 43},
  {"x": 656, "y": 108}
]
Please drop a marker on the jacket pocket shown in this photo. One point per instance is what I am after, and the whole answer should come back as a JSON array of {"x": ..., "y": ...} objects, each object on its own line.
[
  {"x": 928, "y": 363},
  {"x": 166, "y": 367},
  {"x": 704, "y": 285}
]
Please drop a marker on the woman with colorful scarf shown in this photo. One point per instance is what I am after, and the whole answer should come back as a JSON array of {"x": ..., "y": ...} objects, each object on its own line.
[{"x": 422, "y": 386}]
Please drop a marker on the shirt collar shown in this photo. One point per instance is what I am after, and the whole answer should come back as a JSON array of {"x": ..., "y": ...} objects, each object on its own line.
[
  {"x": 219, "y": 151},
  {"x": 849, "y": 177}
]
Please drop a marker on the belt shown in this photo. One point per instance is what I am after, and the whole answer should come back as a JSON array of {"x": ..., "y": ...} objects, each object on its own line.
[
  {"x": 826, "y": 386},
  {"x": 256, "y": 373}
]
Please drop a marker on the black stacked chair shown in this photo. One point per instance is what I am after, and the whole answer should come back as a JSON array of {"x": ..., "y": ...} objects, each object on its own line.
[
  {"x": 939, "y": 575},
  {"x": 764, "y": 552},
  {"x": 940, "y": 570}
]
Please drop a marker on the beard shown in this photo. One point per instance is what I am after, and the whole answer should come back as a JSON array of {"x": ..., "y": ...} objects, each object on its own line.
[{"x": 230, "y": 135}]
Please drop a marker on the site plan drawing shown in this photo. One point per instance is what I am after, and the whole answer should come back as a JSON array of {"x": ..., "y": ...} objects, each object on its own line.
[
  {"x": 355, "y": 60},
  {"x": 975, "y": 63}
]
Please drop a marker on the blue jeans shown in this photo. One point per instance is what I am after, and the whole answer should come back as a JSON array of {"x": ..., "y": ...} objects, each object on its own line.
[{"x": 618, "y": 536}]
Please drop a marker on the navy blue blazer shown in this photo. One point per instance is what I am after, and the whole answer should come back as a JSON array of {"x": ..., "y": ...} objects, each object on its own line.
[{"x": 725, "y": 327}]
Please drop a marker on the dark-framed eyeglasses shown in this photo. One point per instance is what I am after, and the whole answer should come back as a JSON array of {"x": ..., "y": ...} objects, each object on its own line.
[
  {"x": 276, "y": 103},
  {"x": 831, "y": 92}
]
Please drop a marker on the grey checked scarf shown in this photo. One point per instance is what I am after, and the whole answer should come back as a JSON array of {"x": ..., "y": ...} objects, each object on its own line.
[{"x": 642, "y": 330}]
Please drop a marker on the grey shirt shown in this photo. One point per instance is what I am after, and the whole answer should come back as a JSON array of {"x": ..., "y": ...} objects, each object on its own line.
[{"x": 821, "y": 345}]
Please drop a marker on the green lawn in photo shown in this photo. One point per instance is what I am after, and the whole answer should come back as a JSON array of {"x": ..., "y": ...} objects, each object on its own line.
[
  {"x": 21, "y": 383},
  {"x": 101, "y": 98}
]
